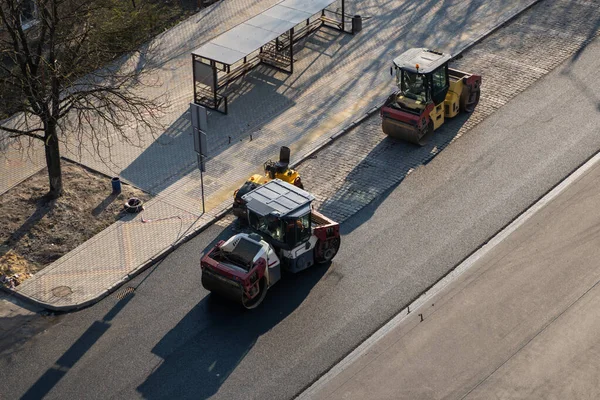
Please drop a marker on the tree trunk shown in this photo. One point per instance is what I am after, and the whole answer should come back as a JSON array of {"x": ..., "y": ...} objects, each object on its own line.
[{"x": 53, "y": 161}]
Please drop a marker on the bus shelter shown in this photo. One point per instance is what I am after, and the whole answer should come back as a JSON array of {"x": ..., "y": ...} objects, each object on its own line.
[{"x": 267, "y": 38}]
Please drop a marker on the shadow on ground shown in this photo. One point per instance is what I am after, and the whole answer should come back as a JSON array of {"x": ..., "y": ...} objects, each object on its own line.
[
  {"x": 104, "y": 203},
  {"x": 44, "y": 205},
  {"x": 381, "y": 171},
  {"x": 214, "y": 337},
  {"x": 172, "y": 156},
  {"x": 78, "y": 349},
  {"x": 16, "y": 330}
]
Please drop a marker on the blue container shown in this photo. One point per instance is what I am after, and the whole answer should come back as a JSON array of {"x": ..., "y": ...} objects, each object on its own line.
[{"x": 116, "y": 185}]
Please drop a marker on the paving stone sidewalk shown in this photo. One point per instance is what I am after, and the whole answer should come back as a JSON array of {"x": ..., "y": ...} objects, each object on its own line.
[{"x": 337, "y": 79}]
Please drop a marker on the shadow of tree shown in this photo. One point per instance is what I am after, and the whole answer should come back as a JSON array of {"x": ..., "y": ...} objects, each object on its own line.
[{"x": 44, "y": 205}]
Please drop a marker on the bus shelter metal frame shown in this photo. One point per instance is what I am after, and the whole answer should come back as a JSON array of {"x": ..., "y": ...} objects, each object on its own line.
[{"x": 215, "y": 67}]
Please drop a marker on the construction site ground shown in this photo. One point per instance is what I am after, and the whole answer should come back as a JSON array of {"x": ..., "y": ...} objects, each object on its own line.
[
  {"x": 366, "y": 163},
  {"x": 517, "y": 320}
]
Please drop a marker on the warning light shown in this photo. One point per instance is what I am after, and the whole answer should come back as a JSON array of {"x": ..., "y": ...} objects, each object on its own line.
[{"x": 417, "y": 66}]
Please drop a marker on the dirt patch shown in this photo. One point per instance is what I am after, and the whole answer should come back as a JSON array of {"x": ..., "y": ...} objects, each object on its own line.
[
  {"x": 14, "y": 269},
  {"x": 37, "y": 231}
]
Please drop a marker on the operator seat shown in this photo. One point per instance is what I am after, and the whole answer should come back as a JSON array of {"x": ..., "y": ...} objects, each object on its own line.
[{"x": 284, "y": 160}]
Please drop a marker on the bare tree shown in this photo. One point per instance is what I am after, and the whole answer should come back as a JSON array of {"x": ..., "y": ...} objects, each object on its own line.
[{"x": 53, "y": 76}]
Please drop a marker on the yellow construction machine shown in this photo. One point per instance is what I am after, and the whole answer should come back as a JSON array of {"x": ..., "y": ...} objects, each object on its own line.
[
  {"x": 273, "y": 170},
  {"x": 428, "y": 92}
]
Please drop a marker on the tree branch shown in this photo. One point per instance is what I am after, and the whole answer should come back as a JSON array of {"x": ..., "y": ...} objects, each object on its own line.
[
  {"x": 20, "y": 132},
  {"x": 31, "y": 135}
]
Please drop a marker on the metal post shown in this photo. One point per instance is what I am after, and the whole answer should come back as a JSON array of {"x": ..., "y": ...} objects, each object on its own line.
[
  {"x": 214, "y": 67},
  {"x": 343, "y": 17},
  {"x": 202, "y": 186},
  {"x": 292, "y": 51},
  {"x": 194, "y": 75},
  {"x": 199, "y": 125}
]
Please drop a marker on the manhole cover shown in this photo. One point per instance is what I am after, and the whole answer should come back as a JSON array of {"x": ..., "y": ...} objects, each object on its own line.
[{"x": 61, "y": 291}]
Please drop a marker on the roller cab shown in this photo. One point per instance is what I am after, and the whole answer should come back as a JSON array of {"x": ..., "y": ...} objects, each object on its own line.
[
  {"x": 428, "y": 92},
  {"x": 285, "y": 233}
]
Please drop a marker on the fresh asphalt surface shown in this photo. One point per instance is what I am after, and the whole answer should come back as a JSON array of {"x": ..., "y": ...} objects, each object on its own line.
[{"x": 169, "y": 339}]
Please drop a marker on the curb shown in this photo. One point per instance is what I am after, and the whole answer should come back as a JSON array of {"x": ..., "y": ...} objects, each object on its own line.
[{"x": 162, "y": 254}]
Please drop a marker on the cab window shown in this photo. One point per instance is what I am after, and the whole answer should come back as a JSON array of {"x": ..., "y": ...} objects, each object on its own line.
[
  {"x": 298, "y": 230},
  {"x": 414, "y": 86},
  {"x": 439, "y": 79},
  {"x": 303, "y": 232},
  {"x": 269, "y": 225}
]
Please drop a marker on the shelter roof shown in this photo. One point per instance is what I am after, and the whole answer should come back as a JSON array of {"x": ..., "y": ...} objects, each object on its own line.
[{"x": 247, "y": 37}]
